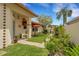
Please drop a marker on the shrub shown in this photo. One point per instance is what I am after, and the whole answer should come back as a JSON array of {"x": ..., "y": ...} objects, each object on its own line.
[
  {"x": 59, "y": 31},
  {"x": 58, "y": 42},
  {"x": 55, "y": 46},
  {"x": 72, "y": 51},
  {"x": 45, "y": 31}
]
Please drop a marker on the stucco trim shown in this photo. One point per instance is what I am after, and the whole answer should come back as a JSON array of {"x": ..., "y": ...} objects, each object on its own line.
[
  {"x": 75, "y": 20},
  {"x": 4, "y": 25}
]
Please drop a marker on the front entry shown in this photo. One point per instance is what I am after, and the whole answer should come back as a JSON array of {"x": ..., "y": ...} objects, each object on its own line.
[{"x": 13, "y": 28}]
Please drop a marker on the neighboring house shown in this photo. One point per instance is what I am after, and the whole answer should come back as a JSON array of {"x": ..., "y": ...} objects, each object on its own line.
[
  {"x": 36, "y": 28},
  {"x": 15, "y": 19},
  {"x": 72, "y": 28},
  {"x": 50, "y": 28}
]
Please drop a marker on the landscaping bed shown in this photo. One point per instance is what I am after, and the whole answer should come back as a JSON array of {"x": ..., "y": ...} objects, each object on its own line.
[{"x": 25, "y": 50}]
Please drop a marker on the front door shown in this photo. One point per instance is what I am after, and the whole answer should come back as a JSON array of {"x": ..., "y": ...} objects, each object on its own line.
[{"x": 13, "y": 28}]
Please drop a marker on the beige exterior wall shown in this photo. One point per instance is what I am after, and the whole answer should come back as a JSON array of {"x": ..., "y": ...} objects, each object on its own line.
[
  {"x": 29, "y": 28},
  {"x": 9, "y": 22},
  {"x": 9, "y": 26},
  {"x": 24, "y": 13},
  {"x": 73, "y": 30},
  {"x": 40, "y": 29},
  {"x": 19, "y": 30},
  {"x": 1, "y": 26}
]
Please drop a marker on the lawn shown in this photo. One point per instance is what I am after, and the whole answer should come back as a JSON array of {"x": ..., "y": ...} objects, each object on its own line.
[
  {"x": 25, "y": 50},
  {"x": 39, "y": 38}
]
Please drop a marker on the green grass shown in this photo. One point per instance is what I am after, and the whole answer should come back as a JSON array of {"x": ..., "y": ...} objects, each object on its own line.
[
  {"x": 39, "y": 38},
  {"x": 25, "y": 50}
]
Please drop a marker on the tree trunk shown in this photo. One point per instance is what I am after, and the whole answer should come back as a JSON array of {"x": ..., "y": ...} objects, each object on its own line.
[{"x": 64, "y": 19}]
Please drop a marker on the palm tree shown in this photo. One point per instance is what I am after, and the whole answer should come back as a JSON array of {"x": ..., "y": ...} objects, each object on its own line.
[{"x": 64, "y": 12}]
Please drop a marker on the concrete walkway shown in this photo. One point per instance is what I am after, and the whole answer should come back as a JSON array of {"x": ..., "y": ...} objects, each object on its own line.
[
  {"x": 2, "y": 53},
  {"x": 40, "y": 45}
]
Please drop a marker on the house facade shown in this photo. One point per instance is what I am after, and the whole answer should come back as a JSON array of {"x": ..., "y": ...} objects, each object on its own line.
[
  {"x": 15, "y": 19},
  {"x": 72, "y": 28},
  {"x": 36, "y": 28},
  {"x": 50, "y": 28}
]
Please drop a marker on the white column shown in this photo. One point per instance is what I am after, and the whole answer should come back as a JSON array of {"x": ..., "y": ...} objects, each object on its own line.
[{"x": 29, "y": 27}]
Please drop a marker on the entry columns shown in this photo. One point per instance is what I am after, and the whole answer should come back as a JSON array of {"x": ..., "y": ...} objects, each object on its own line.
[{"x": 29, "y": 27}]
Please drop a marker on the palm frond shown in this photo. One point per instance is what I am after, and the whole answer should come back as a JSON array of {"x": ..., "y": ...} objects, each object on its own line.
[
  {"x": 58, "y": 15},
  {"x": 69, "y": 13}
]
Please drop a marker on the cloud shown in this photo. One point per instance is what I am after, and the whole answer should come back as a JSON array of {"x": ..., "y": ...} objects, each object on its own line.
[
  {"x": 73, "y": 7},
  {"x": 75, "y": 10},
  {"x": 45, "y": 5},
  {"x": 75, "y": 13},
  {"x": 59, "y": 6}
]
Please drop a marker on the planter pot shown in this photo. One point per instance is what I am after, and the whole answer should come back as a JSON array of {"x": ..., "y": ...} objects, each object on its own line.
[{"x": 15, "y": 40}]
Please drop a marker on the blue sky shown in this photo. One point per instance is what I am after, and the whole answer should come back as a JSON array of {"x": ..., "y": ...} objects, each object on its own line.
[{"x": 50, "y": 9}]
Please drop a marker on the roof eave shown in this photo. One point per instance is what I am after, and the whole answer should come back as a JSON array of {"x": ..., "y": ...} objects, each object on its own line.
[{"x": 22, "y": 6}]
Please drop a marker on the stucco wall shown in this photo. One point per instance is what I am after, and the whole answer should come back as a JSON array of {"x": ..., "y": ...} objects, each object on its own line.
[
  {"x": 8, "y": 26},
  {"x": 25, "y": 13},
  {"x": 9, "y": 22},
  {"x": 1, "y": 25},
  {"x": 73, "y": 30},
  {"x": 19, "y": 27},
  {"x": 40, "y": 29}
]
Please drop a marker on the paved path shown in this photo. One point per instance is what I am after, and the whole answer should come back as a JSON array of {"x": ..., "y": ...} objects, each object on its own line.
[
  {"x": 40, "y": 45},
  {"x": 2, "y": 53}
]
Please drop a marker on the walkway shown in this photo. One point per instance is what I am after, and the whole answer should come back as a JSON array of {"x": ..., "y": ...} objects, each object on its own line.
[
  {"x": 2, "y": 53},
  {"x": 40, "y": 45}
]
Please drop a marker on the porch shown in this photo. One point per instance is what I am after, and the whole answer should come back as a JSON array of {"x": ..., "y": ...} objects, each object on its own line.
[
  {"x": 15, "y": 20},
  {"x": 21, "y": 26}
]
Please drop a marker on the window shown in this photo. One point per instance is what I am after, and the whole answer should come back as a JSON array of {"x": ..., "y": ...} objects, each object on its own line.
[{"x": 34, "y": 29}]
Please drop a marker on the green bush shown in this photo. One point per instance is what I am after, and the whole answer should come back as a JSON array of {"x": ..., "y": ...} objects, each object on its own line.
[
  {"x": 58, "y": 42},
  {"x": 55, "y": 46},
  {"x": 45, "y": 31},
  {"x": 74, "y": 51},
  {"x": 59, "y": 31}
]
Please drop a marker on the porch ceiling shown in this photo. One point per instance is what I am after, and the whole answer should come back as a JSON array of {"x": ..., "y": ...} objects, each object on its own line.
[{"x": 26, "y": 9}]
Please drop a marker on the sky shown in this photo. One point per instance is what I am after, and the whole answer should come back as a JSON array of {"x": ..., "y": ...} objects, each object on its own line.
[{"x": 50, "y": 9}]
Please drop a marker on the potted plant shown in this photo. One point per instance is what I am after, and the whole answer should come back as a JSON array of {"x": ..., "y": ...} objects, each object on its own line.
[{"x": 15, "y": 39}]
